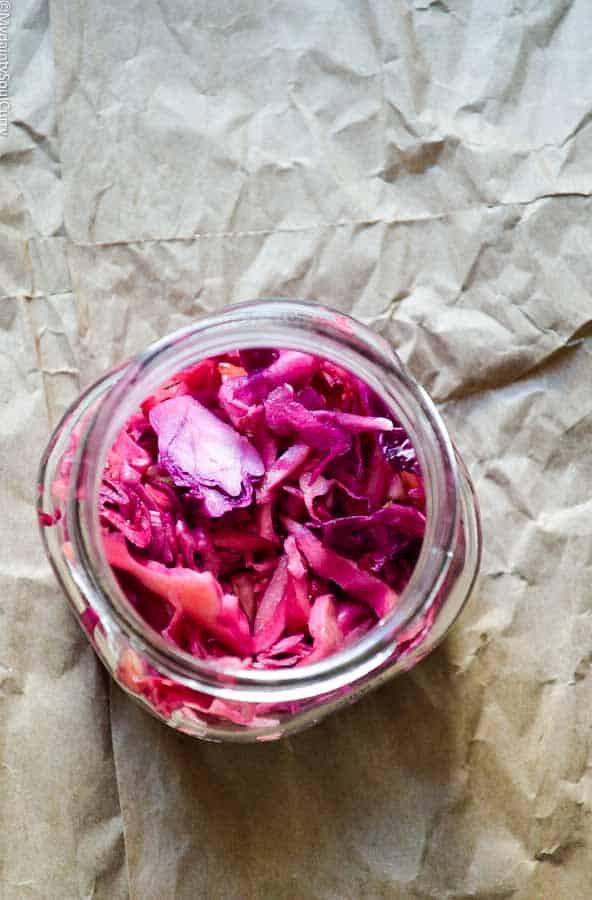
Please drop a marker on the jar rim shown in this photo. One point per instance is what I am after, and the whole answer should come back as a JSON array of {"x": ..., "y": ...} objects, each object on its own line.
[{"x": 290, "y": 324}]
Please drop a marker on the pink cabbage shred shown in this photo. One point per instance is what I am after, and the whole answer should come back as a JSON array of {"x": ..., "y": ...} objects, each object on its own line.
[{"x": 262, "y": 509}]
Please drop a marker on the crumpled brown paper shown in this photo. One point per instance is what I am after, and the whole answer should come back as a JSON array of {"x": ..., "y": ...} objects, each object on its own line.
[{"x": 425, "y": 165}]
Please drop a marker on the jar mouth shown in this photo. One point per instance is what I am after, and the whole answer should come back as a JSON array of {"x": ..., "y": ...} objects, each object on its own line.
[{"x": 283, "y": 324}]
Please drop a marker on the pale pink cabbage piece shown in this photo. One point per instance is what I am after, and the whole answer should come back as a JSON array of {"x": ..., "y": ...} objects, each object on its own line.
[
  {"x": 127, "y": 460},
  {"x": 286, "y": 652},
  {"x": 286, "y": 466},
  {"x": 270, "y": 619},
  {"x": 353, "y": 423},
  {"x": 198, "y": 594},
  {"x": 327, "y": 636},
  {"x": 261, "y": 510},
  {"x": 201, "y": 452},
  {"x": 298, "y": 588},
  {"x": 313, "y": 485}
]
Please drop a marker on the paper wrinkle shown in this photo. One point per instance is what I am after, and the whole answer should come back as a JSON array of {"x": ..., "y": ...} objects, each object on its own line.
[
  {"x": 56, "y": 784},
  {"x": 425, "y": 166},
  {"x": 446, "y": 93}
]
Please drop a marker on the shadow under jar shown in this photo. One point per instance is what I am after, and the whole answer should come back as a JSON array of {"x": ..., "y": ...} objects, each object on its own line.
[{"x": 257, "y": 704}]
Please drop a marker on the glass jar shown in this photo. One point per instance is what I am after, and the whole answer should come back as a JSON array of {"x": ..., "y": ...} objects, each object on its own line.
[{"x": 217, "y": 701}]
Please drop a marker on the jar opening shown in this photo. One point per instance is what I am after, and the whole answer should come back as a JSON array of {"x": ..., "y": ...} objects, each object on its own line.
[{"x": 282, "y": 324}]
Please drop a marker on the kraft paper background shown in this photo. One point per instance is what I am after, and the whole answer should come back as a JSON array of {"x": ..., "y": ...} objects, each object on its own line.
[{"x": 427, "y": 166}]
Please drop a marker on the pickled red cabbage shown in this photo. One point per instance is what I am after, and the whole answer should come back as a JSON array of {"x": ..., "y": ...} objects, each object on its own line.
[
  {"x": 262, "y": 508},
  {"x": 267, "y": 504}
]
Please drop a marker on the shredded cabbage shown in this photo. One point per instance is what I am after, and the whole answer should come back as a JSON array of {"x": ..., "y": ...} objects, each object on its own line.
[{"x": 262, "y": 508}]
